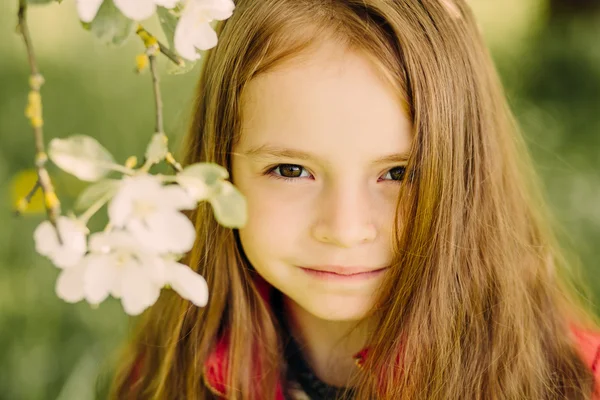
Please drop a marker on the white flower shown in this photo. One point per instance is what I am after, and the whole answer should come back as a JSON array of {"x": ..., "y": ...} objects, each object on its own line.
[
  {"x": 87, "y": 9},
  {"x": 187, "y": 283},
  {"x": 138, "y": 10},
  {"x": 193, "y": 30},
  {"x": 69, "y": 285},
  {"x": 121, "y": 266},
  {"x": 149, "y": 210},
  {"x": 69, "y": 250}
]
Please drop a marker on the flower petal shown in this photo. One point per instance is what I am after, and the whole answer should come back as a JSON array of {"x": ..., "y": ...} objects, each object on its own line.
[
  {"x": 165, "y": 232},
  {"x": 102, "y": 274},
  {"x": 46, "y": 240},
  {"x": 191, "y": 35},
  {"x": 116, "y": 291},
  {"x": 73, "y": 234},
  {"x": 176, "y": 197},
  {"x": 166, "y": 3},
  {"x": 136, "y": 10},
  {"x": 87, "y": 9},
  {"x": 229, "y": 206},
  {"x": 63, "y": 254},
  {"x": 120, "y": 206},
  {"x": 190, "y": 285},
  {"x": 116, "y": 240},
  {"x": 183, "y": 41},
  {"x": 176, "y": 229},
  {"x": 220, "y": 9},
  {"x": 205, "y": 37},
  {"x": 142, "y": 232},
  {"x": 138, "y": 292},
  {"x": 65, "y": 258},
  {"x": 154, "y": 267},
  {"x": 69, "y": 285},
  {"x": 139, "y": 189},
  {"x": 195, "y": 188}
]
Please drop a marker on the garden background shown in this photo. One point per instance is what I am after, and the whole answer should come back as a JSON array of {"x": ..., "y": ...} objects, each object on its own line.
[{"x": 548, "y": 55}]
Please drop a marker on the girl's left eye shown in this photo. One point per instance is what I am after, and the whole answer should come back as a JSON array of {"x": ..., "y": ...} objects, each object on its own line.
[
  {"x": 291, "y": 172},
  {"x": 288, "y": 172},
  {"x": 396, "y": 174}
]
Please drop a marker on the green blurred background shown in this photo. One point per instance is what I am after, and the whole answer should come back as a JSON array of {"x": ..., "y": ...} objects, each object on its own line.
[{"x": 548, "y": 55}]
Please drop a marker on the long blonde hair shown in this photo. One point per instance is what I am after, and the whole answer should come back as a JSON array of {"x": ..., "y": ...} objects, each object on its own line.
[{"x": 479, "y": 303}]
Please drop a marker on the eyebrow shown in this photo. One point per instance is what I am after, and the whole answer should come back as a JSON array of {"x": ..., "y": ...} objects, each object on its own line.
[{"x": 271, "y": 151}]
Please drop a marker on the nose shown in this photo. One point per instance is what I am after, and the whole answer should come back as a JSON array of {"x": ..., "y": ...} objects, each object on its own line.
[{"x": 345, "y": 216}]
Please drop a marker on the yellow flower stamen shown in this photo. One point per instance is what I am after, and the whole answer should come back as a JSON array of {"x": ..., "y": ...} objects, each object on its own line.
[
  {"x": 131, "y": 162},
  {"x": 141, "y": 62},
  {"x": 34, "y": 109}
]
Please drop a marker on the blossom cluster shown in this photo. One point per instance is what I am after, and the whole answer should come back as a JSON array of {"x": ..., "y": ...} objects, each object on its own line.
[
  {"x": 136, "y": 255},
  {"x": 193, "y": 31}
]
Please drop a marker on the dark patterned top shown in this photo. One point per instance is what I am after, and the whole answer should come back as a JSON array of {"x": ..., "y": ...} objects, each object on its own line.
[{"x": 300, "y": 375}]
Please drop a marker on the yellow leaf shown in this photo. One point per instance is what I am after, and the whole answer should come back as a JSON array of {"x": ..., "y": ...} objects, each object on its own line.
[{"x": 21, "y": 185}]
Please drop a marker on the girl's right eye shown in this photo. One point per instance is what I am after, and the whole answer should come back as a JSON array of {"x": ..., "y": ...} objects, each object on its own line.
[{"x": 287, "y": 171}]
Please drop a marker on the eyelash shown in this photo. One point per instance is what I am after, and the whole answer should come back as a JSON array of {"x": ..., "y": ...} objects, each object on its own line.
[{"x": 271, "y": 172}]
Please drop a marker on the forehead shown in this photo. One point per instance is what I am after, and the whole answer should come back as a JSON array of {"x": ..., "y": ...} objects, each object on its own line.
[{"x": 332, "y": 100}]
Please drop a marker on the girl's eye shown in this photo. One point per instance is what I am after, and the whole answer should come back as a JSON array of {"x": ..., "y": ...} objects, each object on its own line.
[
  {"x": 293, "y": 171},
  {"x": 395, "y": 174},
  {"x": 288, "y": 171}
]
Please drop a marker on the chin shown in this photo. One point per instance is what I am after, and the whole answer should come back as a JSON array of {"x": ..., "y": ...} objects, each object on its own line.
[{"x": 338, "y": 309}]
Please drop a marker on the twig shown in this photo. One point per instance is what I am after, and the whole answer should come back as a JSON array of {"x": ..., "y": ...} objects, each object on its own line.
[
  {"x": 152, "y": 48},
  {"x": 25, "y": 201},
  {"x": 34, "y": 113},
  {"x": 142, "y": 32},
  {"x": 173, "y": 163},
  {"x": 93, "y": 209},
  {"x": 157, "y": 97}
]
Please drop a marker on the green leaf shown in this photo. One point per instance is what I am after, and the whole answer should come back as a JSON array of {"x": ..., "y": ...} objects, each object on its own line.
[
  {"x": 174, "y": 69},
  {"x": 210, "y": 173},
  {"x": 229, "y": 206},
  {"x": 201, "y": 180},
  {"x": 110, "y": 25},
  {"x": 40, "y": 2},
  {"x": 95, "y": 192},
  {"x": 81, "y": 156},
  {"x": 168, "y": 22},
  {"x": 157, "y": 148}
]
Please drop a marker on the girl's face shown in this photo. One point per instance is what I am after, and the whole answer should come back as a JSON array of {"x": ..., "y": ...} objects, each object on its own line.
[{"x": 320, "y": 161}]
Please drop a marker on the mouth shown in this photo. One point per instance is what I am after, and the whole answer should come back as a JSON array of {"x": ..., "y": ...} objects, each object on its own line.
[{"x": 343, "y": 273}]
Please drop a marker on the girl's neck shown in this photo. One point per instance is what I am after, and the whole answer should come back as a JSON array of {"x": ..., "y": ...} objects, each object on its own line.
[{"x": 327, "y": 346}]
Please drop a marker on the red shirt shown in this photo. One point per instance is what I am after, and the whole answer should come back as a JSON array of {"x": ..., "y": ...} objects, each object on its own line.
[{"x": 215, "y": 369}]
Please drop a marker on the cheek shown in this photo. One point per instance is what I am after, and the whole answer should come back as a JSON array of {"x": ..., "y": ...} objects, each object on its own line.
[
  {"x": 273, "y": 211},
  {"x": 276, "y": 221}
]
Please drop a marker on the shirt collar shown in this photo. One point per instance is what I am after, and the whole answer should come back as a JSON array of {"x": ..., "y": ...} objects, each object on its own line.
[{"x": 215, "y": 369}]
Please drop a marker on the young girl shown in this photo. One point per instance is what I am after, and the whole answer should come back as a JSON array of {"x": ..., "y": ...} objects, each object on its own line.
[{"x": 395, "y": 247}]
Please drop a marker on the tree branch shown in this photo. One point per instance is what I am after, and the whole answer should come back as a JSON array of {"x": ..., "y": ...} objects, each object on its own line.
[
  {"x": 152, "y": 48},
  {"x": 173, "y": 163},
  {"x": 25, "y": 201},
  {"x": 157, "y": 96},
  {"x": 34, "y": 113},
  {"x": 143, "y": 33}
]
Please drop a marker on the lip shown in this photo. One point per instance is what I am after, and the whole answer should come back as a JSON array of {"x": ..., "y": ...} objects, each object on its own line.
[
  {"x": 335, "y": 273},
  {"x": 342, "y": 270}
]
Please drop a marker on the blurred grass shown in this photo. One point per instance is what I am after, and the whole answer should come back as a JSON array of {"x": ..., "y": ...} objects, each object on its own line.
[{"x": 53, "y": 350}]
